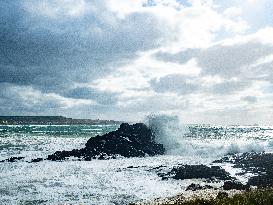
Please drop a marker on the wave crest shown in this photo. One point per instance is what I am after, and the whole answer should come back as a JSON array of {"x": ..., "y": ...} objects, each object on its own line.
[{"x": 178, "y": 139}]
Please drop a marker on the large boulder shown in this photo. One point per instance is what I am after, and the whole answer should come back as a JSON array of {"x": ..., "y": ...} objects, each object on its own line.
[{"x": 135, "y": 140}]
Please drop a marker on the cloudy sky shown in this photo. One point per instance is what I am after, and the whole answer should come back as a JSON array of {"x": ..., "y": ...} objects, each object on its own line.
[{"x": 207, "y": 61}]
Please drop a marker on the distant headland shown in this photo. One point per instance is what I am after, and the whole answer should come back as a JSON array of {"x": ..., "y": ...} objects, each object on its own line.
[{"x": 50, "y": 120}]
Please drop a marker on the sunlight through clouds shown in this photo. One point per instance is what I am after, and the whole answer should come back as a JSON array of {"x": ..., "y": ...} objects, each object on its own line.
[{"x": 123, "y": 57}]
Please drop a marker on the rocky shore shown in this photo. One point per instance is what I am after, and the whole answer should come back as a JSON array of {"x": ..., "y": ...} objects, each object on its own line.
[
  {"x": 138, "y": 140},
  {"x": 258, "y": 164}
]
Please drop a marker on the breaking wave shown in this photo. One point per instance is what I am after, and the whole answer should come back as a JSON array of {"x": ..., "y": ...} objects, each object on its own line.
[{"x": 209, "y": 142}]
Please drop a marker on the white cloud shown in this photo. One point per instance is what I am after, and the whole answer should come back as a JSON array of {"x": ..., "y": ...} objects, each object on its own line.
[
  {"x": 34, "y": 98},
  {"x": 216, "y": 78},
  {"x": 233, "y": 12}
]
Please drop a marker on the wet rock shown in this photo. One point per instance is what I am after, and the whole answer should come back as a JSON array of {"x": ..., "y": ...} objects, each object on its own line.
[
  {"x": 260, "y": 164},
  {"x": 229, "y": 185},
  {"x": 222, "y": 195},
  {"x": 37, "y": 160},
  {"x": 195, "y": 187},
  {"x": 264, "y": 180},
  {"x": 135, "y": 140},
  {"x": 197, "y": 172},
  {"x": 13, "y": 159}
]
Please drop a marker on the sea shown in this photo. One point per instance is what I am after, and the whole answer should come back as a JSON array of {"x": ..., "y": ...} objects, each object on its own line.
[{"x": 115, "y": 181}]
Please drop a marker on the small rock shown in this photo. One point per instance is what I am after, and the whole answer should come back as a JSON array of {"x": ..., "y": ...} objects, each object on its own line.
[
  {"x": 14, "y": 159},
  {"x": 195, "y": 187},
  {"x": 37, "y": 160}
]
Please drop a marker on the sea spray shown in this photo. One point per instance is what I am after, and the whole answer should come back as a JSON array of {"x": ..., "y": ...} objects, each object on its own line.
[
  {"x": 168, "y": 130},
  {"x": 204, "y": 142}
]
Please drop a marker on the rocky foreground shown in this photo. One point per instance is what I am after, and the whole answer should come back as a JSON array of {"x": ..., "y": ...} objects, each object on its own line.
[{"x": 258, "y": 164}]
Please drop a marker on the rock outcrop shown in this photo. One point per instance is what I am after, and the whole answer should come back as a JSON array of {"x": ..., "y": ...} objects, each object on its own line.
[
  {"x": 260, "y": 164},
  {"x": 197, "y": 172},
  {"x": 135, "y": 140}
]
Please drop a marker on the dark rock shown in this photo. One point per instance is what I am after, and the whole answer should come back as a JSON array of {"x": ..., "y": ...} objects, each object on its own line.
[
  {"x": 135, "y": 140},
  {"x": 195, "y": 187},
  {"x": 224, "y": 159},
  {"x": 263, "y": 181},
  {"x": 198, "y": 172},
  {"x": 37, "y": 160},
  {"x": 14, "y": 159},
  {"x": 222, "y": 195},
  {"x": 229, "y": 185},
  {"x": 260, "y": 164}
]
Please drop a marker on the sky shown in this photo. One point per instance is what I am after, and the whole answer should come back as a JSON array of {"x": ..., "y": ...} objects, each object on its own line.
[{"x": 206, "y": 61}]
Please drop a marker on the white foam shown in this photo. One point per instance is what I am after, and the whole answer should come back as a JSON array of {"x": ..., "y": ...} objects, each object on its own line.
[{"x": 174, "y": 136}]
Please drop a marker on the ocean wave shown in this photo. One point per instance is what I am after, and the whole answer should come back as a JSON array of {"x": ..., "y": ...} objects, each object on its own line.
[{"x": 212, "y": 142}]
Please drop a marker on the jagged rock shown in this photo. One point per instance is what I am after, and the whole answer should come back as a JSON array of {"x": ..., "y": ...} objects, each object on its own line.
[
  {"x": 135, "y": 140},
  {"x": 229, "y": 185},
  {"x": 198, "y": 172},
  {"x": 195, "y": 187}
]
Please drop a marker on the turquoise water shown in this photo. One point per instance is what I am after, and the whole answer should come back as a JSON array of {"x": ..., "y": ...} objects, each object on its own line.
[
  {"x": 40, "y": 140},
  {"x": 58, "y": 130}
]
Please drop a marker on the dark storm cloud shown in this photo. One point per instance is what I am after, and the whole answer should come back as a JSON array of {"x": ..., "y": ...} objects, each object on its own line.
[
  {"x": 52, "y": 53},
  {"x": 45, "y": 50},
  {"x": 103, "y": 98}
]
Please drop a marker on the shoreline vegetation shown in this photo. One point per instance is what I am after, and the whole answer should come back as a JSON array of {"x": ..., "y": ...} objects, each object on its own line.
[{"x": 256, "y": 196}]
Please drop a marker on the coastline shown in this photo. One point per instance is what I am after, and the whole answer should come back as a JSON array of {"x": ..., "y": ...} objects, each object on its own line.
[{"x": 134, "y": 178}]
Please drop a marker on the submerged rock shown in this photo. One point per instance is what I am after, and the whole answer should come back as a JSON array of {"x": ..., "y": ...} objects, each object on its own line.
[{"x": 135, "y": 140}]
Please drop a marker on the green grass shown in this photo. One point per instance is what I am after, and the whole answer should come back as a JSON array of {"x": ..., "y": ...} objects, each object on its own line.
[{"x": 253, "y": 197}]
